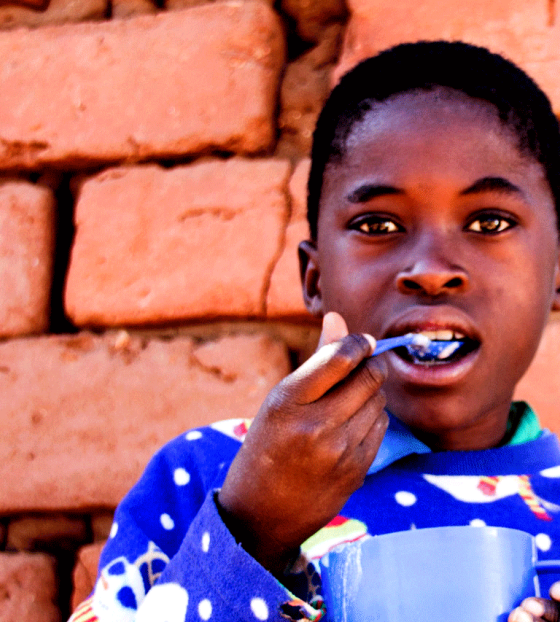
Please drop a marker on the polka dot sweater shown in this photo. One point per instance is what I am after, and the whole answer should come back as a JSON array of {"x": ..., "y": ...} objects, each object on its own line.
[{"x": 170, "y": 558}]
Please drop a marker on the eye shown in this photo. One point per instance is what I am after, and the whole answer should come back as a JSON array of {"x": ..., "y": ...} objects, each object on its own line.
[
  {"x": 375, "y": 225},
  {"x": 491, "y": 223}
]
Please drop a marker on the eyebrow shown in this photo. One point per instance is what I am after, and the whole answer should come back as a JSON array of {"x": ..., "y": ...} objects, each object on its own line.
[
  {"x": 366, "y": 192},
  {"x": 492, "y": 184}
]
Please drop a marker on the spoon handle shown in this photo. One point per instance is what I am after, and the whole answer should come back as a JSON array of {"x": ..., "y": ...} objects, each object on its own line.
[{"x": 402, "y": 340}]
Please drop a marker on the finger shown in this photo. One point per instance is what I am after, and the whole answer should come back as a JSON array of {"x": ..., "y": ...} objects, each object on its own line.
[
  {"x": 346, "y": 398},
  {"x": 541, "y": 609},
  {"x": 551, "y": 610},
  {"x": 362, "y": 441},
  {"x": 555, "y": 591},
  {"x": 520, "y": 615},
  {"x": 371, "y": 441},
  {"x": 334, "y": 328},
  {"x": 327, "y": 367}
]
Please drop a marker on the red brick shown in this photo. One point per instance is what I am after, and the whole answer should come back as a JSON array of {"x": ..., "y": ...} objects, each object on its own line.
[
  {"x": 284, "y": 294},
  {"x": 33, "y": 4},
  {"x": 28, "y": 588},
  {"x": 305, "y": 87},
  {"x": 198, "y": 80},
  {"x": 26, "y": 257},
  {"x": 56, "y": 12},
  {"x": 155, "y": 246},
  {"x": 46, "y": 533},
  {"x": 179, "y": 5},
  {"x": 128, "y": 8},
  {"x": 83, "y": 414},
  {"x": 312, "y": 16},
  {"x": 539, "y": 386},
  {"x": 101, "y": 523},
  {"x": 85, "y": 572},
  {"x": 526, "y": 31}
]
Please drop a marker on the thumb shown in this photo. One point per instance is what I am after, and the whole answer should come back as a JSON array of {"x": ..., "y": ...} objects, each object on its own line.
[{"x": 334, "y": 329}]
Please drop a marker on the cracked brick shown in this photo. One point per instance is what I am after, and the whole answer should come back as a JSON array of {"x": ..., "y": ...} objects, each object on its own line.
[
  {"x": 284, "y": 296},
  {"x": 84, "y": 421},
  {"x": 157, "y": 246}
]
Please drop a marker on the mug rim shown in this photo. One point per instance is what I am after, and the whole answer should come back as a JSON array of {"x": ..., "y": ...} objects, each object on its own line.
[{"x": 426, "y": 531}]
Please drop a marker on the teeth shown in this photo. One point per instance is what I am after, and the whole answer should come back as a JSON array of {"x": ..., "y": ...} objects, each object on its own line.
[
  {"x": 443, "y": 335},
  {"x": 449, "y": 350}
]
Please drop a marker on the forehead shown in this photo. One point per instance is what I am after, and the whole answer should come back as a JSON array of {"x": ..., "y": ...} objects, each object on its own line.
[{"x": 438, "y": 136}]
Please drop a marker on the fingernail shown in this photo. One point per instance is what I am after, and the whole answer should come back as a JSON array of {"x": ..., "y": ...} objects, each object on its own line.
[
  {"x": 371, "y": 340},
  {"x": 555, "y": 590},
  {"x": 518, "y": 615},
  {"x": 534, "y": 607}
]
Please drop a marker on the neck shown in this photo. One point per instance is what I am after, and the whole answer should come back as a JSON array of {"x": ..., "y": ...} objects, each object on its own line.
[{"x": 484, "y": 433}]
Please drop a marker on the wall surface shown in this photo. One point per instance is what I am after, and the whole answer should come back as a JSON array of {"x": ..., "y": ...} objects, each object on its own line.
[{"x": 153, "y": 162}]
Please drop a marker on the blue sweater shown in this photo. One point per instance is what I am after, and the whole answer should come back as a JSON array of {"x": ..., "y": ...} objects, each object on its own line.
[{"x": 170, "y": 558}]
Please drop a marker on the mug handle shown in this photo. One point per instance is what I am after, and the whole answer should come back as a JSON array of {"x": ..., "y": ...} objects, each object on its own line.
[{"x": 548, "y": 565}]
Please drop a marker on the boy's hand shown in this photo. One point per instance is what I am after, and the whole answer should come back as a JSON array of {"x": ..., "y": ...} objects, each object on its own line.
[
  {"x": 308, "y": 449},
  {"x": 539, "y": 609}
]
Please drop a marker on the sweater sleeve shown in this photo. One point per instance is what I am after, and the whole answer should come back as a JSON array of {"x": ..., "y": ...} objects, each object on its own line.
[{"x": 170, "y": 557}]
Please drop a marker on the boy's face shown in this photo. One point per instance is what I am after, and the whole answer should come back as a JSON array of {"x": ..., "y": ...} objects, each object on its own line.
[{"x": 434, "y": 221}]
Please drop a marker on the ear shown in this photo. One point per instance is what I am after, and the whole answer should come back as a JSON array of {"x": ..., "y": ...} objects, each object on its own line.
[
  {"x": 556, "y": 299},
  {"x": 310, "y": 275}
]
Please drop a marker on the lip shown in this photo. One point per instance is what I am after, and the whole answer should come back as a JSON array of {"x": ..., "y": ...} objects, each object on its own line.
[
  {"x": 434, "y": 376},
  {"x": 421, "y": 319}
]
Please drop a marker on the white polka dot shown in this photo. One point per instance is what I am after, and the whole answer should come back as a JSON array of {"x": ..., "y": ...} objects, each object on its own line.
[
  {"x": 166, "y": 522},
  {"x": 478, "y": 522},
  {"x": 164, "y": 603},
  {"x": 259, "y": 609},
  {"x": 205, "y": 542},
  {"x": 551, "y": 472},
  {"x": 543, "y": 541},
  {"x": 205, "y": 609},
  {"x": 193, "y": 435},
  {"x": 405, "y": 498},
  {"x": 114, "y": 530},
  {"x": 181, "y": 477}
]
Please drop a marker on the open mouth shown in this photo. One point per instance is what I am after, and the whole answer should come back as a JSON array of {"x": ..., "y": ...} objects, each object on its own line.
[{"x": 445, "y": 347}]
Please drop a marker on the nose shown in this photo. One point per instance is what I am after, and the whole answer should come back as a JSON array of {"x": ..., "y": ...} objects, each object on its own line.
[{"x": 431, "y": 273}]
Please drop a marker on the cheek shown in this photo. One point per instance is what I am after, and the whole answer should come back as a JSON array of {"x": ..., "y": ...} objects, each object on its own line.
[{"x": 521, "y": 303}]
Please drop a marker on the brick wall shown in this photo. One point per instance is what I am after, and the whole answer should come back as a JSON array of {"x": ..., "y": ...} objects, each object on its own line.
[{"x": 153, "y": 161}]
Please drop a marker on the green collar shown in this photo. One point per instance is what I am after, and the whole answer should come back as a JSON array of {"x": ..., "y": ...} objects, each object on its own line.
[{"x": 522, "y": 426}]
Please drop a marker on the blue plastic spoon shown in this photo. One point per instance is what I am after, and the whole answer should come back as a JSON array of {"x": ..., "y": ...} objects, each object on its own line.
[{"x": 419, "y": 346}]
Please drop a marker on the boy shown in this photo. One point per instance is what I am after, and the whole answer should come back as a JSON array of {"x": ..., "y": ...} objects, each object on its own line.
[{"x": 433, "y": 198}]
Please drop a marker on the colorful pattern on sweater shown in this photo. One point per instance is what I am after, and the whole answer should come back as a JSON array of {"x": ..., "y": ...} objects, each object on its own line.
[{"x": 171, "y": 559}]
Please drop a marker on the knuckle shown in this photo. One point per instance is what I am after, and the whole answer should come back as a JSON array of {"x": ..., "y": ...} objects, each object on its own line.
[
  {"x": 279, "y": 402},
  {"x": 380, "y": 401},
  {"x": 331, "y": 456},
  {"x": 274, "y": 400},
  {"x": 352, "y": 349},
  {"x": 377, "y": 373},
  {"x": 375, "y": 408},
  {"x": 314, "y": 434}
]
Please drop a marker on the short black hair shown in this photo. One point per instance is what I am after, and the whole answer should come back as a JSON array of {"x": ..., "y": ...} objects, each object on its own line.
[{"x": 472, "y": 70}]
